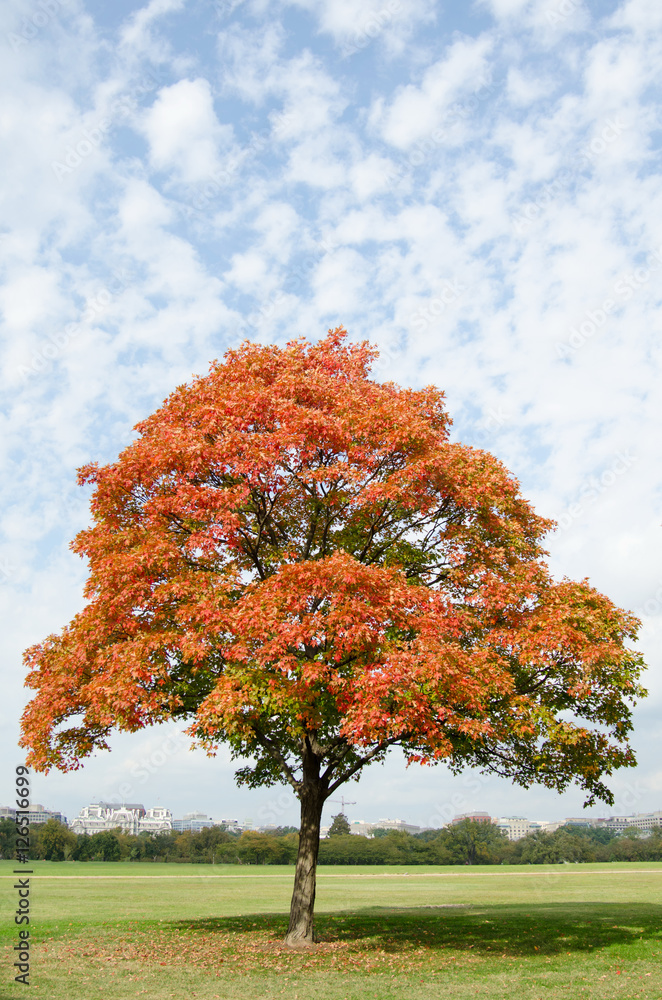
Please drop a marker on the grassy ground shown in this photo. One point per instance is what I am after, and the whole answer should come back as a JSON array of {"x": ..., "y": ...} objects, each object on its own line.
[{"x": 117, "y": 931}]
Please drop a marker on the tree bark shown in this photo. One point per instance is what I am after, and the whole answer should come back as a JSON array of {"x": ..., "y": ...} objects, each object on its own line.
[{"x": 312, "y": 794}]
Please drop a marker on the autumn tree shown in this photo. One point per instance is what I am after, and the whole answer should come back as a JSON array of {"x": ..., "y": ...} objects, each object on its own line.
[{"x": 299, "y": 561}]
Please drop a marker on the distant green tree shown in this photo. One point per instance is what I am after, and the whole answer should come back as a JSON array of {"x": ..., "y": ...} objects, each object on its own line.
[
  {"x": 261, "y": 849},
  {"x": 106, "y": 846},
  {"x": 349, "y": 849},
  {"x": 165, "y": 845},
  {"x": 56, "y": 840},
  {"x": 84, "y": 848},
  {"x": 339, "y": 826},
  {"x": 472, "y": 842},
  {"x": 7, "y": 839},
  {"x": 563, "y": 845},
  {"x": 626, "y": 848},
  {"x": 137, "y": 852},
  {"x": 595, "y": 834},
  {"x": 208, "y": 839},
  {"x": 425, "y": 835},
  {"x": 438, "y": 851}
]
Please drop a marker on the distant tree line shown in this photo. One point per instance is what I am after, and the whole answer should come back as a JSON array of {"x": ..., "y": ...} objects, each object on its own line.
[{"x": 466, "y": 843}]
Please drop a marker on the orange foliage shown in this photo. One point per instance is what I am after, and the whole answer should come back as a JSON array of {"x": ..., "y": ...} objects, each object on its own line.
[{"x": 292, "y": 554}]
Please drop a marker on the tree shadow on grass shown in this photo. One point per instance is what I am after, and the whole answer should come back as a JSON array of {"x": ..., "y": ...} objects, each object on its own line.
[{"x": 534, "y": 929}]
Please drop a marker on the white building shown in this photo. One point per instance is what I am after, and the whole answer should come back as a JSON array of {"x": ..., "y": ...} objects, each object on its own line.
[
  {"x": 360, "y": 828},
  {"x": 394, "y": 824},
  {"x": 95, "y": 818},
  {"x": 91, "y": 819},
  {"x": 156, "y": 820},
  {"x": 646, "y": 822},
  {"x": 231, "y": 825},
  {"x": 36, "y": 814},
  {"x": 192, "y": 822},
  {"x": 516, "y": 827}
]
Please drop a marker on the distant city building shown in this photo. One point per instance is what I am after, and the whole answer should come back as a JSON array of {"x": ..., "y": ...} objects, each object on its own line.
[
  {"x": 231, "y": 825},
  {"x": 136, "y": 807},
  {"x": 156, "y": 820},
  {"x": 477, "y": 817},
  {"x": 395, "y": 824},
  {"x": 132, "y": 818},
  {"x": 192, "y": 822},
  {"x": 516, "y": 827},
  {"x": 36, "y": 814},
  {"x": 360, "y": 828},
  {"x": 91, "y": 819},
  {"x": 646, "y": 822}
]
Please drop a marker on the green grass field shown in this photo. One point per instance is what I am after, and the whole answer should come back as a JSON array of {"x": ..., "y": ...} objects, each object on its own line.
[{"x": 115, "y": 931}]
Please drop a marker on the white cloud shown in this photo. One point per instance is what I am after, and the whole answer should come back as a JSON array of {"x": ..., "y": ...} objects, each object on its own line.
[
  {"x": 642, "y": 17},
  {"x": 136, "y": 32},
  {"x": 417, "y": 111},
  {"x": 506, "y": 8},
  {"x": 183, "y": 131},
  {"x": 525, "y": 87},
  {"x": 356, "y": 24}
]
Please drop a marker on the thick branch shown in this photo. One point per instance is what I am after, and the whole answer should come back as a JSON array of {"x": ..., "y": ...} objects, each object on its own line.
[
  {"x": 361, "y": 763},
  {"x": 278, "y": 756}
]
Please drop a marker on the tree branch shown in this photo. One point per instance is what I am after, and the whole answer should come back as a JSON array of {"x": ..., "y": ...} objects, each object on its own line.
[
  {"x": 361, "y": 763},
  {"x": 276, "y": 754}
]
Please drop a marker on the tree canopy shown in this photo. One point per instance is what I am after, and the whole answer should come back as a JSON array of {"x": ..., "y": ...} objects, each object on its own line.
[
  {"x": 339, "y": 825},
  {"x": 297, "y": 559}
]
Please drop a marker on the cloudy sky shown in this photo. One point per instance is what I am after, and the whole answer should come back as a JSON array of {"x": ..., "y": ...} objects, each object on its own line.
[{"x": 473, "y": 187}]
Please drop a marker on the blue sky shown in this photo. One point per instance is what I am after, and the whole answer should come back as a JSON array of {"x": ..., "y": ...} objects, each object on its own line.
[{"x": 473, "y": 187}]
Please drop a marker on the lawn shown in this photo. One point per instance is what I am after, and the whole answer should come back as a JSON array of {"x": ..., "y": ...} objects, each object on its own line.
[{"x": 119, "y": 931}]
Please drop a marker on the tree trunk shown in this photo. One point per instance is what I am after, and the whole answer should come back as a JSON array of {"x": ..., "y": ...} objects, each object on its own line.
[{"x": 300, "y": 932}]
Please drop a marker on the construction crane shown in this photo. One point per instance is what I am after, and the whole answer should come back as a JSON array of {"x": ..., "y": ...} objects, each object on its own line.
[{"x": 343, "y": 803}]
